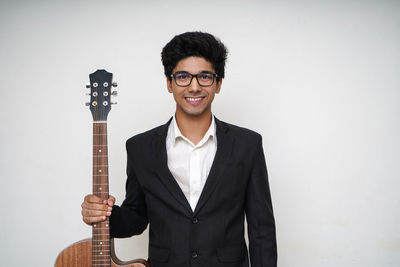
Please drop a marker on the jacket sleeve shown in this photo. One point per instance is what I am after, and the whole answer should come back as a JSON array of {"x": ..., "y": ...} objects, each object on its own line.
[
  {"x": 259, "y": 214},
  {"x": 131, "y": 218}
]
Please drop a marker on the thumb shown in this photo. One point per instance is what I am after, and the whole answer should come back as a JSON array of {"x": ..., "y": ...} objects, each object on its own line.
[{"x": 111, "y": 201}]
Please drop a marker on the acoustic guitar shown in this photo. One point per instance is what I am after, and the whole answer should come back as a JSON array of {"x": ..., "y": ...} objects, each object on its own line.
[{"x": 98, "y": 250}]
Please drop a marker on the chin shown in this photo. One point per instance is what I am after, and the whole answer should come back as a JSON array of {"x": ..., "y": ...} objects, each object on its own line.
[{"x": 194, "y": 113}]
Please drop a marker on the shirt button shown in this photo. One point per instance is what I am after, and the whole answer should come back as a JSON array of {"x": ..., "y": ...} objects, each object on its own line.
[
  {"x": 194, "y": 255},
  {"x": 195, "y": 220}
]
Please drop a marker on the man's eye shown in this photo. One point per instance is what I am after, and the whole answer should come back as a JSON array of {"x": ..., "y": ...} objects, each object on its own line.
[
  {"x": 182, "y": 76},
  {"x": 205, "y": 76}
]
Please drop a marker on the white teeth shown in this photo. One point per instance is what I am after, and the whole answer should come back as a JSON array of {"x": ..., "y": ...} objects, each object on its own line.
[{"x": 191, "y": 99}]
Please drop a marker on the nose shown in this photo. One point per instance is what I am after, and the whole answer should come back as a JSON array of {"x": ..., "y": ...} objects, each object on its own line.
[{"x": 194, "y": 85}]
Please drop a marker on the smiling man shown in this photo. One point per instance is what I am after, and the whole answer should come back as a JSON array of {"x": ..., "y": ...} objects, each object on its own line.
[{"x": 194, "y": 179}]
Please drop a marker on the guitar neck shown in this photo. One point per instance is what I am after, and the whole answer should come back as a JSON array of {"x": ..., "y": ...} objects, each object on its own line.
[
  {"x": 101, "y": 250},
  {"x": 100, "y": 160}
]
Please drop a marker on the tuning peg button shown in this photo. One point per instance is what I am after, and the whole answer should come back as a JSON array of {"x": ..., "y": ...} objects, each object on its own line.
[
  {"x": 114, "y": 84},
  {"x": 114, "y": 103},
  {"x": 88, "y": 85},
  {"x": 87, "y": 104},
  {"x": 114, "y": 93}
]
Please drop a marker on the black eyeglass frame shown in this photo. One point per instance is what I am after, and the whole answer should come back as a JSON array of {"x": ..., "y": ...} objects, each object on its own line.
[{"x": 194, "y": 75}]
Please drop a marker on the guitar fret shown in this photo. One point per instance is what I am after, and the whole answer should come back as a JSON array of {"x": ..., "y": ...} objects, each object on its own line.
[{"x": 100, "y": 255}]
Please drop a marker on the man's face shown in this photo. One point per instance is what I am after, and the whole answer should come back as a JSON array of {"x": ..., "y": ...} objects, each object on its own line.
[{"x": 193, "y": 100}]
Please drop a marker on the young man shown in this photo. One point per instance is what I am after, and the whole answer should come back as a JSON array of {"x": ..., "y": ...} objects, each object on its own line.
[{"x": 195, "y": 178}]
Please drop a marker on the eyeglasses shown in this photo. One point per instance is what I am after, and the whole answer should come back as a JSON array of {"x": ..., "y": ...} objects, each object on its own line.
[{"x": 183, "y": 78}]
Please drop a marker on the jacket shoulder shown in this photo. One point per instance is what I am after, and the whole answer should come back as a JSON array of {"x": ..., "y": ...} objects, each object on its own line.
[
  {"x": 144, "y": 137},
  {"x": 241, "y": 133}
]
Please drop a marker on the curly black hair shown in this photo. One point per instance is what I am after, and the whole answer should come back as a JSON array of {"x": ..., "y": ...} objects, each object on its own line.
[{"x": 198, "y": 44}]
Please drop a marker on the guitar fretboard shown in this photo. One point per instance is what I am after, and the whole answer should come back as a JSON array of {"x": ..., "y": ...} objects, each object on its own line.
[{"x": 101, "y": 249}]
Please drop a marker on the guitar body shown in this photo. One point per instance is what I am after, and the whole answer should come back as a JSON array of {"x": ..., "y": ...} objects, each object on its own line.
[{"x": 79, "y": 254}]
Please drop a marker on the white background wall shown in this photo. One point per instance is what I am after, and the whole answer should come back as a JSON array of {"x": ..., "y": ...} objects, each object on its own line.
[{"x": 318, "y": 79}]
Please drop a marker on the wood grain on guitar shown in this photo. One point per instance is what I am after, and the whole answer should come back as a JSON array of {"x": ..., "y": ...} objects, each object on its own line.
[{"x": 98, "y": 250}]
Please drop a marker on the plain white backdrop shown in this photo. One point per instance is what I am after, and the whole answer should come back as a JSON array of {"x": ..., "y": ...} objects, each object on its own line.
[{"x": 318, "y": 79}]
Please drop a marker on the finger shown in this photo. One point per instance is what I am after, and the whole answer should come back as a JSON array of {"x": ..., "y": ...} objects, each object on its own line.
[
  {"x": 91, "y": 220},
  {"x": 93, "y": 199},
  {"x": 94, "y": 206},
  {"x": 111, "y": 201},
  {"x": 95, "y": 213}
]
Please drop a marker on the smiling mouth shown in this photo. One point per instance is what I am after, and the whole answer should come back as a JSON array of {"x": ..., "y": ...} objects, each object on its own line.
[{"x": 194, "y": 100}]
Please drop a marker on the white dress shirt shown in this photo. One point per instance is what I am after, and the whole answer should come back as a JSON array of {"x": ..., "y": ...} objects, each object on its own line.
[{"x": 190, "y": 164}]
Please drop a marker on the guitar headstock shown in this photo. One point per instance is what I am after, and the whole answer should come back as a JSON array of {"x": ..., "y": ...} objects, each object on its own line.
[{"x": 100, "y": 94}]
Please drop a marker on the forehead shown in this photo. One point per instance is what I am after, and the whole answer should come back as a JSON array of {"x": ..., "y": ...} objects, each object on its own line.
[{"x": 193, "y": 65}]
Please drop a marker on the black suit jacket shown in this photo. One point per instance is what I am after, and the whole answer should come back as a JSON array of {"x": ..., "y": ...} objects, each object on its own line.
[{"x": 213, "y": 234}]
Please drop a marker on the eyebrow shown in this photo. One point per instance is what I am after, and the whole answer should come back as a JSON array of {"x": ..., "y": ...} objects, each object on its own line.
[{"x": 203, "y": 71}]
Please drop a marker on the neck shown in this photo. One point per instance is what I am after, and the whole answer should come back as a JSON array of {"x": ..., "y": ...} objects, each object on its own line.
[{"x": 193, "y": 127}]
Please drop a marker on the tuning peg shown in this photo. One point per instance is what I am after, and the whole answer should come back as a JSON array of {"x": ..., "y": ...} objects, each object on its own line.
[
  {"x": 87, "y": 104},
  {"x": 87, "y": 94},
  {"x": 88, "y": 85},
  {"x": 114, "y": 93},
  {"x": 114, "y": 103},
  {"x": 114, "y": 84}
]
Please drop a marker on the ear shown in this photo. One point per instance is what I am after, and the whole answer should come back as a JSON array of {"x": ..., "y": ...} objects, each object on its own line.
[
  {"x": 219, "y": 83},
  {"x": 169, "y": 85}
]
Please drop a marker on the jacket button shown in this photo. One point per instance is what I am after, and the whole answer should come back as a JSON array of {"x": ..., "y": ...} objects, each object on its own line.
[
  {"x": 194, "y": 255},
  {"x": 195, "y": 220}
]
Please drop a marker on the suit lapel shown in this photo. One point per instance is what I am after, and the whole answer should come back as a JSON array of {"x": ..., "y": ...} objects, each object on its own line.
[
  {"x": 222, "y": 156},
  {"x": 161, "y": 166}
]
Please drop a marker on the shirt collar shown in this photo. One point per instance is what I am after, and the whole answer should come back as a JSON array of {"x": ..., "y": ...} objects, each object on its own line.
[{"x": 176, "y": 133}]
